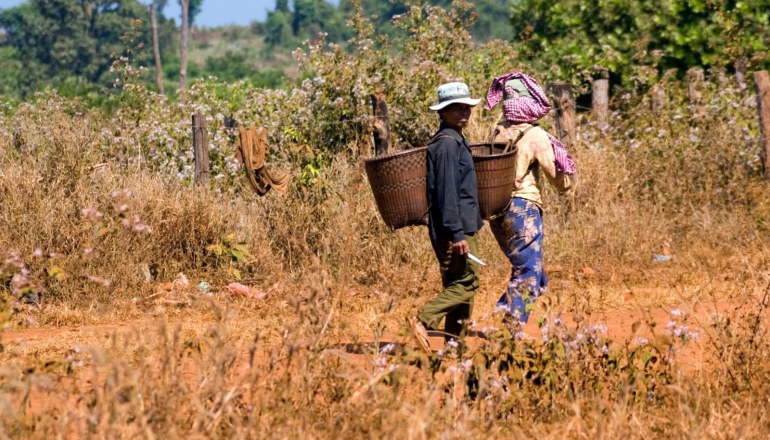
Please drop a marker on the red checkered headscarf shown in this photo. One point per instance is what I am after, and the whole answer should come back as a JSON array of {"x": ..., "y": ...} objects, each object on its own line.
[{"x": 527, "y": 109}]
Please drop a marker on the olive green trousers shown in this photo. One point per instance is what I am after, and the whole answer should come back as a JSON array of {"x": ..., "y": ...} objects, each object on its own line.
[{"x": 460, "y": 278}]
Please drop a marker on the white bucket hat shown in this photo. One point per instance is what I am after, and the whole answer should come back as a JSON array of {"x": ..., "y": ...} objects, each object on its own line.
[{"x": 451, "y": 93}]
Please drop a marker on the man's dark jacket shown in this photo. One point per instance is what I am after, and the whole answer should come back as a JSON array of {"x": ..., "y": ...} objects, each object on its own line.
[{"x": 451, "y": 185}]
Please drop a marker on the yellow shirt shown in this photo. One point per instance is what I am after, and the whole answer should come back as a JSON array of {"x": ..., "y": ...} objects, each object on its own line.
[{"x": 535, "y": 154}]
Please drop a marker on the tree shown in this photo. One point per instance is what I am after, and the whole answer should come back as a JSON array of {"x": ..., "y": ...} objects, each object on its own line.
[
  {"x": 60, "y": 40},
  {"x": 195, "y": 7},
  {"x": 282, "y": 6},
  {"x": 491, "y": 21},
  {"x": 230, "y": 67},
  {"x": 278, "y": 28},
  {"x": 183, "y": 44},
  {"x": 160, "y": 5},
  {"x": 313, "y": 16},
  {"x": 611, "y": 37}
]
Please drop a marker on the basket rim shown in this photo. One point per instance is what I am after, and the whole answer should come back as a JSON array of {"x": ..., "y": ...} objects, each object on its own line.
[
  {"x": 394, "y": 154},
  {"x": 485, "y": 144},
  {"x": 514, "y": 149}
]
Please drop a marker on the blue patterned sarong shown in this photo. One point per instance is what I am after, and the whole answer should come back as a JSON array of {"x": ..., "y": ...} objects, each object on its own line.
[{"x": 520, "y": 236}]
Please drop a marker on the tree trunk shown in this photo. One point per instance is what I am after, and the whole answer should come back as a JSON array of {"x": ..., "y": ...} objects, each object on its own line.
[
  {"x": 600, "y": 99},
  {"x": 200, "y": 137},
  {"x": 156, "y": 49},
  {"x": 381, "y": 125},
  {"x": 183, "y": 44},
  {"x": 564, "y": 116},
  {"x": 762, "y": 82}
]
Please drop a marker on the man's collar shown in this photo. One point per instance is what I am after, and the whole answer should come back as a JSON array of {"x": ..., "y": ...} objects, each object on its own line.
[{"x": 446, "y": 129}]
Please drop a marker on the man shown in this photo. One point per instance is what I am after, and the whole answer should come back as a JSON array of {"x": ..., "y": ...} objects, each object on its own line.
[{"x": 454, "y": 217}]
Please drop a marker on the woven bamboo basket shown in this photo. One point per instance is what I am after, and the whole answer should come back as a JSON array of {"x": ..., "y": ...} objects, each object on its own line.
[
  {"x": 495, "y": 176},
  {"x": 398, "y": 183}
]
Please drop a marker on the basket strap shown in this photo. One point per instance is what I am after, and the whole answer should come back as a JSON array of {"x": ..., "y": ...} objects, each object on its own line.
[
  {"x": 518, "y": 138},
  {"x": 493, "y": 136},
  {"x": 503, "y": 212},
  {"x": 438, "y": 136},
  {"x": 427, "y": 212},
  {"x": 511, "y": 143}
]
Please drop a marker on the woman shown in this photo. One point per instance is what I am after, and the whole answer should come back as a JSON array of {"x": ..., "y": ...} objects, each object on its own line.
[{"x": 520, "y": 231}]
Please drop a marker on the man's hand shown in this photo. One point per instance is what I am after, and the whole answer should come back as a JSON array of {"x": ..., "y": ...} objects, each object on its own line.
[{"x": 461, "y": 248}]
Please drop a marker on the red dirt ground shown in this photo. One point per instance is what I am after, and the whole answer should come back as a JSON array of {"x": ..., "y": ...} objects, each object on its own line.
[{"x": 619, "y": 327}]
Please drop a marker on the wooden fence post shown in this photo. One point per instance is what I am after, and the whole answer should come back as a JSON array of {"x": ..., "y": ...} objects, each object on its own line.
[
  {"x": 156, "y": 49},
  {"x": 18, "y": 139},
  {"x": 741, "y": 67},
  {"x": 381, "y": 125},
  {"x": 564, "y": 116},
  {"x": 762, "y": 83},
  {"x": 600, "y": 99},
  {"x": 695, "y": 80},
  {"x": 695, "y": 77},
  {"x": 657, "y": 98},
  {"x": 200, "y": 137}
]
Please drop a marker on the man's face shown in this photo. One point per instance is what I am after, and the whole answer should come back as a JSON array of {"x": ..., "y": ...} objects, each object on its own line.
[{"x": 456, "y": 115}]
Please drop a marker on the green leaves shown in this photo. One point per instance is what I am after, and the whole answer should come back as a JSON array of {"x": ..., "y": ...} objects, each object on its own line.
[
  {"x": 230, "y": 252},
  {"x": 584, "y": 38},
  {"x": 57, "y": 273},
  {"x": 230, "y": 247},
  {"x": 60, "y": 39}
]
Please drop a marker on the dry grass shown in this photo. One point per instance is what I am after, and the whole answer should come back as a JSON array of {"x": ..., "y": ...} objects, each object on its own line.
[{"x": 220, "y": 379}]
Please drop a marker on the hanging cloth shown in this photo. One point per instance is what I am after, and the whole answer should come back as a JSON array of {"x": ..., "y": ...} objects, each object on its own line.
[{"x": 251, "y": 151}]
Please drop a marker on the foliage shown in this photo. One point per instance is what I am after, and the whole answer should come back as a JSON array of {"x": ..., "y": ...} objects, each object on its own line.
[
  {"x": 309, "y": 17},
  {"x": 590, "y": 39},
  {"x": 631, "y": 42},
  {"x": 278, "y": 29},
  {"x": 59, "y": 41},
  {"x": 234, "y": 67},
  {"x": 230, "y": 251},
  {"x": 490, "y": 22},
  {"x": 10, "y": 71}
]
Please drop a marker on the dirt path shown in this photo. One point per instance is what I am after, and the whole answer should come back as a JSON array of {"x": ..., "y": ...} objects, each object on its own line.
[
  {"x": 618, "y": 325},
  {"x": 21, "y": 336}
]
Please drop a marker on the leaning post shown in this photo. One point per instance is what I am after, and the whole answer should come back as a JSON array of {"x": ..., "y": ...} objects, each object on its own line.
[
  {"x": 564, "y": 114},
  {"x": 762, "y": 84},
  {"x": 381, "y": 124},
  {"x": 200, "y": 138}
]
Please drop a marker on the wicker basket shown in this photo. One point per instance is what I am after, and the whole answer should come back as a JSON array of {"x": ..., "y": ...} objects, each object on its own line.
[
  {"x": 398, "y": 183},
  {"x": 495, "y": 176}
]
